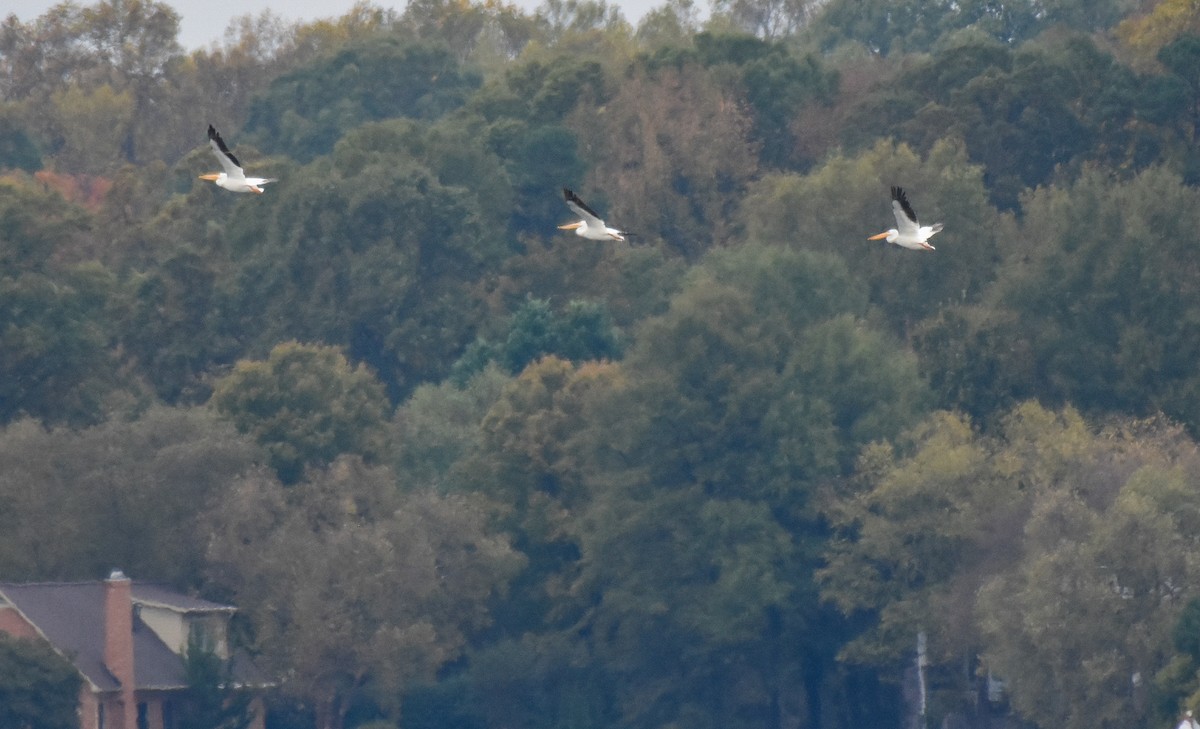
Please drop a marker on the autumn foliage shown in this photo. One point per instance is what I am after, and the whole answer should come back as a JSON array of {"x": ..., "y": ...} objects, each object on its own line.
[{"x": 459, "y": 468}]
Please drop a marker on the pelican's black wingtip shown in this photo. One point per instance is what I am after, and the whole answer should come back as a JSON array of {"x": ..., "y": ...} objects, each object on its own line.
[
  {"x": 215, "y": 138},
  {"x": 901, "y": 199}
]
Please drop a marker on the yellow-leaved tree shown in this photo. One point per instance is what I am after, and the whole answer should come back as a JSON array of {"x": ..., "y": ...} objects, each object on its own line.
[
  {"x": 1144, "y": 35},
  {"x": 1051, "y": 553}
]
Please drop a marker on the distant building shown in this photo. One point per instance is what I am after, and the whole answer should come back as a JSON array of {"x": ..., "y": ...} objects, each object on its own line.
[{"x": 127, "y": 640}]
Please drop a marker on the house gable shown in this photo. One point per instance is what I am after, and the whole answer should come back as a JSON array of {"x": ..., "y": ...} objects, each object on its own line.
[
  {"x": 14, "y": 624},
  {"x": 176, "y": 618}
]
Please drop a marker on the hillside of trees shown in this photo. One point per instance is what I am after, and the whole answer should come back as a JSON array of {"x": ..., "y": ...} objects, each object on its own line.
[{"x": 462, "y": 470}]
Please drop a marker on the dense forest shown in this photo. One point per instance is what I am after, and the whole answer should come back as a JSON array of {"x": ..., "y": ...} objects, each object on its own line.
[{"x": 461, "y": 469}]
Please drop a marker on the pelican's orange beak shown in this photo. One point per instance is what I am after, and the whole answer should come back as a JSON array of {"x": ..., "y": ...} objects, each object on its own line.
[
  {"x": 881, "y": 236},
  {"x": 210, "y": 178},
  {"x": 570, "y": 226}
]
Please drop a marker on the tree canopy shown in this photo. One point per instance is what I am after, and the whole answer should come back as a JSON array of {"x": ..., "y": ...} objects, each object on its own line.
[{"x": 460, "y": 468}]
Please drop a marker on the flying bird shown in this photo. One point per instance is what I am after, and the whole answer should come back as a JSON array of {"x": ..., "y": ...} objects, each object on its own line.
[
  {"x": 590, "y": 226},
  {"x": 233, "y": 178},
  {"x": 908, "y": 232}
]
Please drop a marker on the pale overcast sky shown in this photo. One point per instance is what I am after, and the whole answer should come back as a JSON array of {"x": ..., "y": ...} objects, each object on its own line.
[{"x": 204, "y": 21}]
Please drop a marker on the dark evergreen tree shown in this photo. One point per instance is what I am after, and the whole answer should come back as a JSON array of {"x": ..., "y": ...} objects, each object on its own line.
[{"x": 39, "y": 689}]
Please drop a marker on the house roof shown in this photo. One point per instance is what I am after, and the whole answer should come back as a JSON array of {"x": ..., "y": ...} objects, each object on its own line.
[
  {"x": 71, "y": 616},
  {"x": 149, "y": 593}
]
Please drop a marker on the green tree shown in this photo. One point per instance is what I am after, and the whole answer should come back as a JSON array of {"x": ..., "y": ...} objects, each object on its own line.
[
  {"x": 537, "y": 157},
  {"x": 550, "y": 87},
  {"x": 536, "y": 681},
  {"x": 1178, "y": 683},
  {"x": 39, "y": 689},
  {"x": 18, "y": 150},
  {"x": 213, "y": 702},
  {"x": 1095, "y": 309},
  {"x": 306, "y": 405},
  {"x": 438, "y": 427},
  {"x": 834, "y": 209},
  {"x": 122, "y": 492},
  {"x": 167, "y": 325},
  {"x": 392, "y": 586},
  {"x": 1182, "y": 59},
  {"x": 887, "y": 29},
  {"x": 693, "y": 469},
  {"x": 305, "y": 112},
  {"x": 1052, "y": 548},
  {"x": 375, "y": 249},
  {"x": 136, "y": 38},
  {"x": 524, "y": 108},
  {"x": 165, "y": 239},
  {"x": 914, "y": 26},
  {"x": 1093, "y": 600},
  {"x": 1022, "y": 113},
  {"x": 257, "y": 49},
  {"x": 77, "y": 57},
  {"x": 582, "y": 331},
  {"x": 524, "y": 460},
  {"x": 525, "y": 436},
  {"x": 1186, "y": 634},
  {"x": 916, "y": 523},
  {"x": 670, "y": 24},
  {"x": 54, "y": 352}
]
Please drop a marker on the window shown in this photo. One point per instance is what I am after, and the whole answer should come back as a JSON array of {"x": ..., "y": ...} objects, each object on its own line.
[
  {"x": 168, "y": 712},
  {"x": 143, "y": 720},
  {"x": 202, "y": 635}
]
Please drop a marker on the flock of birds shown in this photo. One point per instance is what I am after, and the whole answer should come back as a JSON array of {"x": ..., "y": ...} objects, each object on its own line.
[{"x": 908, "y": 233}]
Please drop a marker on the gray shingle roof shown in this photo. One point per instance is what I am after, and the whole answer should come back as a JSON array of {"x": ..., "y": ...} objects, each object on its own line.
[
  {"x": 71, "y": 616},
  {"x": 154, "y": 594}
]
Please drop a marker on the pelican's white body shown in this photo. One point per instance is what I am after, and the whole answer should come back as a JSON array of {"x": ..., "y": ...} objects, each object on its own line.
[
  {"x": 908, "y": 233},
  {"x": 233, "y": 178},
  {"x": 590, "y": 225}
]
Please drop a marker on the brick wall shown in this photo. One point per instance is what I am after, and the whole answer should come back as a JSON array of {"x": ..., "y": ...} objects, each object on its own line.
[{"x": 12, "y": 623}]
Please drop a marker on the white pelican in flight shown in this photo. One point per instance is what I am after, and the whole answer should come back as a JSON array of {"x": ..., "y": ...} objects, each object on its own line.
[
  {"x": 908, "y": 232},
  {"x": 233, "y": 178},
  {"x": 591, "y": 226}
]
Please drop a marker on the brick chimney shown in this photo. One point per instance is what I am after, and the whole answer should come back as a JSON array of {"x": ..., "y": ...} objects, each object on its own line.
[{"x": 118, "y": 645}]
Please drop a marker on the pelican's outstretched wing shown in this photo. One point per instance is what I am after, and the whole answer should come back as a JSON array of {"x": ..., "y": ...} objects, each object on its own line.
[
  {"x": 582, "y": 210},
  {"x": 229, "y": 163},
  {"x": 906, "y": 219}
]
